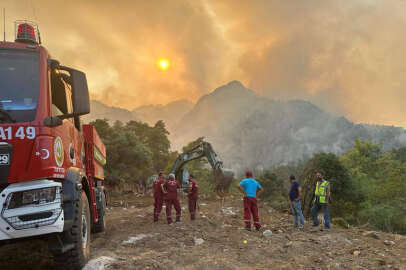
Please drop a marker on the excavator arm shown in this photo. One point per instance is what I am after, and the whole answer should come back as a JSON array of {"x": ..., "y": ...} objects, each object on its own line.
[
  {"x": 222, "y": 177},
  {"x": 184, "y": 158}
]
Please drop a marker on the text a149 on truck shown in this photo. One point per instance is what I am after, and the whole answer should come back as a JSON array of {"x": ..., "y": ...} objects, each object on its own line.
[{"x": 51, "y": 166}]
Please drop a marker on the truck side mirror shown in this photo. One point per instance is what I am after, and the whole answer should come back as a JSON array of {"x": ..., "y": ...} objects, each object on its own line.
[
  {"x": 80, "y": 91},
  {"x": 52, "y": 121}
]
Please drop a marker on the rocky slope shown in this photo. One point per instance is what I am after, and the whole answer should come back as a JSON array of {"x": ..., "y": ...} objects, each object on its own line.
[
  {"x": 170, "y": 113},
  {"x": 100, "y": 110},
  {"x": 250, "y": 131}
]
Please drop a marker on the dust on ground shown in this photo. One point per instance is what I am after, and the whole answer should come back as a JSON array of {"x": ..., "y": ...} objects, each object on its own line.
[{"x": 217, "y": 240}]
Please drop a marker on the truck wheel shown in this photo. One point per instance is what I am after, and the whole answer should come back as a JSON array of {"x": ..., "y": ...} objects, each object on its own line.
[
  {"x": 77, "y": 257},
  {"x": 100, "y": 226}
]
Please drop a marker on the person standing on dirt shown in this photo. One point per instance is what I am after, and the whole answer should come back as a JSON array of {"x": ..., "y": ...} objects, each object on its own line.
[
  {"x": 170, "y": 188},
  {"x": 294, "y": 197},
  {"x": 322, "y": 199},
  {"x": 192, "y": 196},
  {"x": 251, "y": 190},
  {"x": 158, "y": 195}
]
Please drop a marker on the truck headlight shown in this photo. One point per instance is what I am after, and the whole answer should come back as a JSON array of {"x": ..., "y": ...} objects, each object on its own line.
[{"x": 34, "y": 196}]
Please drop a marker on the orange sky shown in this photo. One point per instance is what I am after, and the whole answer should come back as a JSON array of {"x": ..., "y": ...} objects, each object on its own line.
[{"x": 346, "y": 56}]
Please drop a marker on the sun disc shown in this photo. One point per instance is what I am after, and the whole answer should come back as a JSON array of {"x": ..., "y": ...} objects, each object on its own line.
[{"x": 163, "y": 64}]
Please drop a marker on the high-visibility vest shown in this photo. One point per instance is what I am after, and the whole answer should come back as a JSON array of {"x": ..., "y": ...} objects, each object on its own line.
[{"x": 321, "y": 191}]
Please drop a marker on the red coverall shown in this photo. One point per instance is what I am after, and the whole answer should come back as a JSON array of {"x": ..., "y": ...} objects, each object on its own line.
[
  {"x": 251, "y": 207},
  {"x": 158, "y": 196},
  {"x": 171, "y": 198},
  {"x": 193, "y": 186}
]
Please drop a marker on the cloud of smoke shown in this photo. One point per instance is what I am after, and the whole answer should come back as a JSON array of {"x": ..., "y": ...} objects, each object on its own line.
[
  {"x": 118, "y": 44},
  {"x": 343, "y": 55}
]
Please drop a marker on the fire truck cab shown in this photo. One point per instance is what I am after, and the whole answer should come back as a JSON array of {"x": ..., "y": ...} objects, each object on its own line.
[{"x": 51, "y": 166}]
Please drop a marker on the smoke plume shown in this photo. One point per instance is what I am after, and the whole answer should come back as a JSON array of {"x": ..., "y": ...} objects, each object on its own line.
[{"x": 346, "y": 56}]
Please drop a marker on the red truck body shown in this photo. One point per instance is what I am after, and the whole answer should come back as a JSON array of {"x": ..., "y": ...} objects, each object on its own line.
[
  {"x": 95, "y": 153},
  {"x": 51, "y": 165},
  {"x": 95, "y": 156}
]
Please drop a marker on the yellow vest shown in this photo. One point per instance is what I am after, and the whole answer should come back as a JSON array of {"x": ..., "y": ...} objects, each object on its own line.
[{"x": 321, "y": 191}]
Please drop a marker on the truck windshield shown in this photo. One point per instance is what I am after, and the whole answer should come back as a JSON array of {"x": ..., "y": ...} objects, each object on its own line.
[{"x": 19, "y": 85}]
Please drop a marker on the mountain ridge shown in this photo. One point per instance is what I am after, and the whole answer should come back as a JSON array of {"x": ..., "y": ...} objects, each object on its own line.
[
  {"x": 169, "y": 113},
  {"x": 251, "y": 131}
]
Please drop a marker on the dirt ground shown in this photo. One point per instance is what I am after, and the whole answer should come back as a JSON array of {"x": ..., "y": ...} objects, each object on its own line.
[{"x": 216, "y": 240}]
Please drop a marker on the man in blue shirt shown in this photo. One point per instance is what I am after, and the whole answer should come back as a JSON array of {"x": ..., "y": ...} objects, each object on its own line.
[
  {"x": 294, "y": 196},
  {"x": 251, "y": 190}
]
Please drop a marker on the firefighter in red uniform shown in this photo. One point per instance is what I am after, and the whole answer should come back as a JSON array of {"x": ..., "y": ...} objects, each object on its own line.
[
  {"x": 193, "y": 189},
  {"x": 158, "y": 195},
  {"x": 170, "y": 188}
]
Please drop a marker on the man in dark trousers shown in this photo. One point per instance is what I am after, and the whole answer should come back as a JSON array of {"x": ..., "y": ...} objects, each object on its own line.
[
  {"x": 170, "y": 188},
  {"x": 158, "y": 195},
  {"x": 251, "y": 190},
  {"x": 321, "y": 201},
  {"x": 295, "y": 194},
  {"x": 192, "y": 196}
]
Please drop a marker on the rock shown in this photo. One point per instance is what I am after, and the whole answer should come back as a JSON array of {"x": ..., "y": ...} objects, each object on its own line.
[
  {"x": 398, "y": 237},
  {"x": 280, "y": 231},
  {"x": 371, "y": 234},
  {"x": 326, "y": 238},
  {"x": 356, "y": 253},
  {"x": 100, "y": 263},
  {"x": 228, "y": 211},
  {"x": 347, "y": 241},
  {"x": 136, "y": 238},
  {"x": 198, "y": 241},
  {"x": 388, "y": 243},
  {"x": 267, "y": 233},
  {"x": 288, "y": 244}
]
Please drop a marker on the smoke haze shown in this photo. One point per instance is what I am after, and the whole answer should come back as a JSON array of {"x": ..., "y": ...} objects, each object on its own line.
[{"x": 346, "y": 56}]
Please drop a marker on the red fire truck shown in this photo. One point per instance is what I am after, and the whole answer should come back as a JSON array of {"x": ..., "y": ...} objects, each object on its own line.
[{"x": 51, "y": 166}]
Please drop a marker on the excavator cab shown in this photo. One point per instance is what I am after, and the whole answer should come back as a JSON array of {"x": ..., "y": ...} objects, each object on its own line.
[{"x": 184, "y": 178}]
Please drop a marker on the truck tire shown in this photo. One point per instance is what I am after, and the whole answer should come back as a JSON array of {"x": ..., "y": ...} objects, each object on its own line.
[
  {"x": 78, "y": 256},
  {"x": 100, "y": 226}
]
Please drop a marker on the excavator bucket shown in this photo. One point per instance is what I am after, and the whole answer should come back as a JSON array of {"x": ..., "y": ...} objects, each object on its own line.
[{"x": 222, "y": 180}]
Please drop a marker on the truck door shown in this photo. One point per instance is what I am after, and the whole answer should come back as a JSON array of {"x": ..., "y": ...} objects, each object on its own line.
[{"x": 64, "y": 135}]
